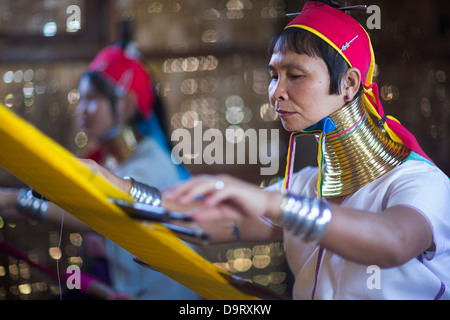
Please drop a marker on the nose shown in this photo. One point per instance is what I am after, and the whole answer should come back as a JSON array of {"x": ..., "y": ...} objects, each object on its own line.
[
  {"x": 279, "y": 90},
  {"x": 81, "y": 107}
]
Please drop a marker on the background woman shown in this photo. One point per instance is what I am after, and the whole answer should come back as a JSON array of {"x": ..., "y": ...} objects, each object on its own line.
[{"x": 119, "y": 114}]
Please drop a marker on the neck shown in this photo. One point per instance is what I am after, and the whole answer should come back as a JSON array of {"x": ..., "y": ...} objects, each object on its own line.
[
  {"x": 119, "y": 144},
  {"x": 357, "y": 152}
]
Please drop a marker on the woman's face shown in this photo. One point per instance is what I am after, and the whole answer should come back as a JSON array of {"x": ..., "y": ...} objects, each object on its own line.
[
  {"x": 94, "y": 111},
  {"x": 299, "y": 90}
]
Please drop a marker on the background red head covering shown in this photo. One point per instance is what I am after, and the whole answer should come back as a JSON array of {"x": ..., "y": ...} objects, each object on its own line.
[
  {"x": 126, "y": 75},
  {"x": 352, "y": 42}
]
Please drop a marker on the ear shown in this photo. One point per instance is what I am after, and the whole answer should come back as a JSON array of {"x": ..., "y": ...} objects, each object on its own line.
[{"x": 351, "y": 81}]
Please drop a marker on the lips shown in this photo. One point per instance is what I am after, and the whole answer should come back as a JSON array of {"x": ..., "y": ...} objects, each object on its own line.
[{"x": 283, "y": 113}]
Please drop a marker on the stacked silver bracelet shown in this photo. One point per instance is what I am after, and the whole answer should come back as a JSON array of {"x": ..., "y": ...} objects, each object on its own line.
[
  {"x": 304, "y": 217},
  {"x": 143, "y": 193},
  {"x": 30, "y": 205}
]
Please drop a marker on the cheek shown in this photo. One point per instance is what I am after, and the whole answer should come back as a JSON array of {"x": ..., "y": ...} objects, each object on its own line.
[
  {"x": 271, "y": 90},
  {"x": 101, "y": 111},
  {"x": 100, "y": 116},
  {"x": 311, "y": 89},
  {"x": 304, "y": 97},
  {"x": 310, "y": 94},
  {"x": 92, "y": 108}
]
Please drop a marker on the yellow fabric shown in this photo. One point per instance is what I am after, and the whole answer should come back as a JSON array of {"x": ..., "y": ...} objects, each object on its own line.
[
  {"x": 56, "y": 174},
  {"x": 370, "y": 107}
]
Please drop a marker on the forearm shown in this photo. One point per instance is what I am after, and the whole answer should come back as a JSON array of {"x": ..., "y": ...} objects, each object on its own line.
[
  {"x": 387, "y": 239},
  {"x": 248, "y": 230},
  {"x": 51, "y": 214},
  {"x": 226, "y": 230}
]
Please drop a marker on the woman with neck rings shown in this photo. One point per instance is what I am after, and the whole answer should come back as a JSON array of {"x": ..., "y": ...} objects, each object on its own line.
[
  {"x": 120, "y": 120},
  {"x": 372, "y": 220}
]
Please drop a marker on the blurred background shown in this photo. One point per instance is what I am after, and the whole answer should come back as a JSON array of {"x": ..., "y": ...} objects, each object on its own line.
[{"x": 208, "y": 60}]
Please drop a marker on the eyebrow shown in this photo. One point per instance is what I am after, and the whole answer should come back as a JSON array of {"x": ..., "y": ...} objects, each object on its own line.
[{"x": 289, "y": 65}]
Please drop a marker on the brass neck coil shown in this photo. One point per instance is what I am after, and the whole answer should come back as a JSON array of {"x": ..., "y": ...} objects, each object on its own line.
[{"x": 357, "y": 152}]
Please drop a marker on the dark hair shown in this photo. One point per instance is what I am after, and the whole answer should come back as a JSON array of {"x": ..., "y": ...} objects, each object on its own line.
[
  {"x": 304, "y": 42},
  {"x": 301, "y": 41},
  {"x": 103, "y": 87},
  {"x": 107, "y": 89},
  {"x": 327, "y": 2}
]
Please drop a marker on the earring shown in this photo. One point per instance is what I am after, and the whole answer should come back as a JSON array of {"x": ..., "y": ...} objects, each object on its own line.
[{"x": 347, "y": 98}]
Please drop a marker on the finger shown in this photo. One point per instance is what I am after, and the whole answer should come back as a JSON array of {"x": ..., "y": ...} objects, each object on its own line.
[
  {"x": 218, "y": 213},
  {"x": 182, "y": 208},
  {"x": 220, "y": 194},
  {"x": 211, "y": 188},
  {"x": 178, "y": 190},
  {"x": 194, "y": 188},
  {"x": 200, "y": 191}
]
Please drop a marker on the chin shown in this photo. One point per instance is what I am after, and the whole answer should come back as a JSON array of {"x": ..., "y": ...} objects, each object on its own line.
[{"x": 290, "y": 127}]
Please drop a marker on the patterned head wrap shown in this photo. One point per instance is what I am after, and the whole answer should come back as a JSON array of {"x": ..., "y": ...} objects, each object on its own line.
[
  {"x": 352, "y": 42},
  {"x": 126, "y": 75}
]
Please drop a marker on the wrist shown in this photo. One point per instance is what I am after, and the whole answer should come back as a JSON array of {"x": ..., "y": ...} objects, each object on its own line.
[
  {"x": 305, "y": 217},
  {"x": 274, "y": 200},
  {"x": 127, "y": 184},
  {"x": 143, "y": 193},
  {"x": 31, "y": 206}
]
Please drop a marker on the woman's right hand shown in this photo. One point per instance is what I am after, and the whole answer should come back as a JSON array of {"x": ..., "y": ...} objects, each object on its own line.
[
  {"x": 226, "y": 208},
  {"x": 119, "y": 182},
  {"x": 225, "y": 197}
]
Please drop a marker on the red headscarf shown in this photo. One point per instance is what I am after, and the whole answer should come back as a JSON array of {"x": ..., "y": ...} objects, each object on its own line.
[
  {"x": 352, "y": 42},
  {"x": 126, "y": 75}
]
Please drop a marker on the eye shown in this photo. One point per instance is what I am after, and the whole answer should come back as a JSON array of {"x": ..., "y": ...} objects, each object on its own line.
[
  {"x": 295, "y": 76},
  {"x": 273, "y": 77},
  {"x": 272, "y": 73}
]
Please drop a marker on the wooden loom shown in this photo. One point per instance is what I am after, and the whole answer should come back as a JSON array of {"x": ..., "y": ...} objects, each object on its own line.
[{"x": 60, "y": 177}]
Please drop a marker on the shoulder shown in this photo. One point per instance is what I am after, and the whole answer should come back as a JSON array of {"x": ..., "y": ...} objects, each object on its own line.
[
  {"x": 422, "y": 186},
  {"x": 420, "y": 178},
  {"x": 420, "y": 174},
  {"x": 151, "y": 152},
  {"x": 151, "y": 164},
  {"x": 415, "y": 184}
]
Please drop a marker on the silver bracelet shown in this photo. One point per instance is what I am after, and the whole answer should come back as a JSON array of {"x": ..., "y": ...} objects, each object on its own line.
[
  {"x": 304, "y": 217},
  {"x": 140, "y": 192},
  {"x": 33, "y": 207}
]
